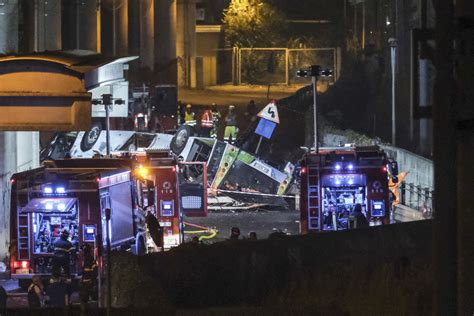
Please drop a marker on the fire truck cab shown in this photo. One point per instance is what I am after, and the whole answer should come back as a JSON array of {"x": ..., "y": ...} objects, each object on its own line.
[
  {"x": 72, "y": 194},
  {"x": 335, "y": 180}
]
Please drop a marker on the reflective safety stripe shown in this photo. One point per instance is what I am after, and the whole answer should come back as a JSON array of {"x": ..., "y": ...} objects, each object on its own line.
[{"x": 63, "y": 249}]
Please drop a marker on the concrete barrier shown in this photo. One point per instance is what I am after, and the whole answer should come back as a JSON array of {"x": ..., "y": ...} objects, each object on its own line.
[{"x": 384, "y": 270}]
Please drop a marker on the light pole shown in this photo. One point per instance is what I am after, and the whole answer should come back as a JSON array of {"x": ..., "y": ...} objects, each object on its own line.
[
  {"x": 315, "y": 71},
  {"x": 393, "y": 49},
  {"x": 107, "y": 101}
]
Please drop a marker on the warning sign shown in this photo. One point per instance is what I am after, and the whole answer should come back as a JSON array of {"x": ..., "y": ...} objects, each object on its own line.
[{"x": 270, "y": 113}]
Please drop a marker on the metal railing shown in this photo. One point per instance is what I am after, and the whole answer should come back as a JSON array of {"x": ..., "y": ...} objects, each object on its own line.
[{"x": 417, "y": 198}]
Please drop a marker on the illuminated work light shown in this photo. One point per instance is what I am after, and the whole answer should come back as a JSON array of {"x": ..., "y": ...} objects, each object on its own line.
[
  {"x": 60, "y": 190},
  {"x": 48, "y": 190},
  {"x": 142, "y": 171}
]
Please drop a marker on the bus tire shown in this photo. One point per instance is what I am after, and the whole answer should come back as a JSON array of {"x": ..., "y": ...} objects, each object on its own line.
[
  {"x": 180, "y": 139},
  {"x": 90, "y": 138}
]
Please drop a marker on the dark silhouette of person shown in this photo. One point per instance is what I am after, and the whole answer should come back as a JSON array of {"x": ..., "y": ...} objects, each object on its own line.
[
  {"x": 62, "y": 253},
  {"x": 156, "y": 231},
  {"x": 234, "y": 233},
  {"x": 3, "y": 300},
  {"x": 360, "y": 219},
  {"x": 89, "y": 276},
  {"x": 35, "y": 292},
  {"x": 57, "y": 290}
]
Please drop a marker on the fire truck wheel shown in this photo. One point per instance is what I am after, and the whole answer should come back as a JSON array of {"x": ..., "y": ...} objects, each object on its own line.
[
  {"x": 140, "y": 247},
  {"x": 90, "y": 138},
  {"x": 181, "y": 138}
]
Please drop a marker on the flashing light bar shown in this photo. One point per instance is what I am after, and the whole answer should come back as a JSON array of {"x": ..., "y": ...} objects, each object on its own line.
[
  {"x": 48, "y": 190},
  {"x": 60, "y": 190}
]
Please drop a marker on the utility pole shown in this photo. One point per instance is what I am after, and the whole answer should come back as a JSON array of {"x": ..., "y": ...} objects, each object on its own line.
[
  {"x": 109, "y": 268},
  {"x": 393, "y": 49},
  {"x": 107, "y": 101},
  {"x": 314, "y": 79}
]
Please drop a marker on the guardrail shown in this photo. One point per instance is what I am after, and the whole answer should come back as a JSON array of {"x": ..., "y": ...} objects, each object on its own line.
[{"x": 418, "y": 198}]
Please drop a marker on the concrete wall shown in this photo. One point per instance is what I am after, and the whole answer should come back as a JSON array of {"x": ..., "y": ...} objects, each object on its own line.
[
  {"x": 9, "y": 26},
  {"x": 384, "y": 270},
  {"x": 19, "y": 152},
  {"x": 421, "y": 170},
  {"x": 207, "y": 45}
]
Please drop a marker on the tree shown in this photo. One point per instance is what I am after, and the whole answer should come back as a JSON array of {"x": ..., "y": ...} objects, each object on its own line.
[{"x": 254, "y": 23}]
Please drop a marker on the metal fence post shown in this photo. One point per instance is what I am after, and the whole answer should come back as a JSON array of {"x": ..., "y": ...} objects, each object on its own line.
[{"x": 287, "y": 66}]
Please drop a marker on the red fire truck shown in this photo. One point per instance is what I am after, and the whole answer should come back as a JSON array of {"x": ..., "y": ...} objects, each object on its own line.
[
  {"x": 335, "y": 180},
  {"x": 180, "y": 189},
  {"x": 72, "y": 194}
]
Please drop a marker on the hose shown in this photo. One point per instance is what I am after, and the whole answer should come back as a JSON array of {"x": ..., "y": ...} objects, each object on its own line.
[{"x": 204, "y": 230}]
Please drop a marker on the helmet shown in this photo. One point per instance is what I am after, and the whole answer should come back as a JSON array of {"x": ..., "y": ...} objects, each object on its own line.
[
  {"x": 65, "y": 233},
  {"x": 188, "y": 106},
  {"x": 231, "y": 107}
]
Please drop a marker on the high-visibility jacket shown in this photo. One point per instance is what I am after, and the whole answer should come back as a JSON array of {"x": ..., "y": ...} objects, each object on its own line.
[
  {"x": 206, "y": 120},
  {"x": 189, "y": 118}
]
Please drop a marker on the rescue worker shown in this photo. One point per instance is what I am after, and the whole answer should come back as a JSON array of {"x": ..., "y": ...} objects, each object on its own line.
[
  {"x": 360, "y": 220},
  {"x": 189, "y": 116},
  {"x": 35, "y": 293},
  {"x": 89, "y": 276},
  {"x": 62, "y": 253},
  {"x": 181, "y": 109},
  {"x": 216, "y": 116},
  {"x": 155, "y": 230},
  {"x": 231, "y": 130},
  {"x": 251, "y": 111},
  {"x": 234, "y": 233},
  {"x": 57, "y": 290},
  {"x": 3, "y": 300},
  {"x": 206, "y": 122}
]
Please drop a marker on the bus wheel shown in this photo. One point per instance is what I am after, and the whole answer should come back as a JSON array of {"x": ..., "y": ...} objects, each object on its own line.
[
  {"x": 181, "y": 138},
  {"x": 90, "y": 138}
]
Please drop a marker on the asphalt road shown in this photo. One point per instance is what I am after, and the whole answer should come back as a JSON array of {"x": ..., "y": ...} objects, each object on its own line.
[{"x": 261, "y": 222}]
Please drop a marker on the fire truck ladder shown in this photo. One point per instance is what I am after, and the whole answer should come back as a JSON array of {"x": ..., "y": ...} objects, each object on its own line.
[
  {"x": 23, "y": 236},
  {"x": 314, "y": 201}
]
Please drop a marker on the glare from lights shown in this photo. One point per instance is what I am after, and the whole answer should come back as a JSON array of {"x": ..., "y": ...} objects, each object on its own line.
[
  {"x": 338, "y": 167},
  {"x": 61, "y": 206},
  {"x": 350, "y": 167},
  {"x": 338, "y": 182},
  {"x": 142, "y": 171},
  {"x": 387, "y": 21},
  {"x": 350, "y": 182},
  {"x": 48, "y": 190},
  {"x": 49, "y": 206},
  {"x": 60, "y": 190}
]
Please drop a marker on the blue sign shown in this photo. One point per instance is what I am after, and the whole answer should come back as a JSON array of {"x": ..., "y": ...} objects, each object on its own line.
[{"x": 265, "y": 128}]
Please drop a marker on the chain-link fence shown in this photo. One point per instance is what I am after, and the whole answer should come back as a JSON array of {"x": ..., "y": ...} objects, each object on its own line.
[{"x": 263, "y": 66}]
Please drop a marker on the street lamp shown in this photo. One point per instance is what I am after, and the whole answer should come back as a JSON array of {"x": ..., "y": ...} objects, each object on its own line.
[
  {"x": 107, "y": 102},
  {"x": 393, "y": 49},
  {"x": 314, "y": 71}
]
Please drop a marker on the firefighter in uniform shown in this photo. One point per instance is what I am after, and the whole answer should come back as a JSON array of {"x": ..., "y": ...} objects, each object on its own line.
[
  {"x": 189, "y": 118},
  {"x": 62, "y": 253},
  {"x": 206, "y": 122},
  {"x": 89, "y": 276}
]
